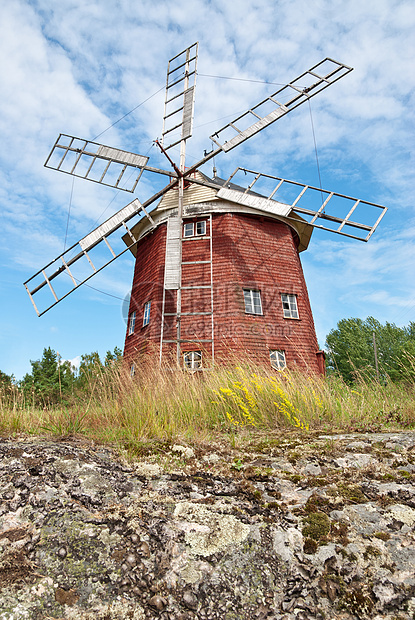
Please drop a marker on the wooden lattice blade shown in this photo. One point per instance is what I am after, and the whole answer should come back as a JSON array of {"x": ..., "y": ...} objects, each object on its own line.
[
  {"x": 180, "y": 95},
  {"x": 83, "y": 260},
  {"x": 99, "y": 163},
  {"x": 338, "y": 213},
  {"x": 307, "y": 85}
]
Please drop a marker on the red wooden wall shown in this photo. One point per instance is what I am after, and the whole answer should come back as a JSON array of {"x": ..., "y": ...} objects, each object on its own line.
[{"x": 248, "y": 252}]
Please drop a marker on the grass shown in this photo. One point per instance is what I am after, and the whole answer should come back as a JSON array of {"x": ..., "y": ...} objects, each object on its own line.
[{"x": 233, "y": 404}]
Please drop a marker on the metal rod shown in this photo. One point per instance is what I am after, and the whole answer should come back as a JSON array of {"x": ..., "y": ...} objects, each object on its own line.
[
  {"x": 49, "y": 284},
  {"x": 69, "y": 271},
  {"x": 211, "y": 288},
  {"x": 109, "y": 247}
]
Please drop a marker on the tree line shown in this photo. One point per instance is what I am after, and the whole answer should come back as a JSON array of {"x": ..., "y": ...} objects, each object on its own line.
[
  {"x": 355, "y": 349},
  {"x": 54, "y": 380},
  {"x": 368, "y": 349}
]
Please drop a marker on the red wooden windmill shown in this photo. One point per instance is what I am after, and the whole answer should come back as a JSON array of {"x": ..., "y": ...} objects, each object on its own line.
[{"x": 217, "y": 271}]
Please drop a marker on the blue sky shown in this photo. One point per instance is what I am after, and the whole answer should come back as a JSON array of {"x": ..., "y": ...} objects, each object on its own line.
[{"x": 78, "y": 67}]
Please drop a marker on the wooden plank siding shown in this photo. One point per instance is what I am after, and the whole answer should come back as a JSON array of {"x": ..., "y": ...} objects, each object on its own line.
[
  {"x": 248, "y": 251},
  {"x": 193, "y": 193}
]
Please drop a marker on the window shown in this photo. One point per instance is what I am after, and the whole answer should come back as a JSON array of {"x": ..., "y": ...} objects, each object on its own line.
[
  {"x": 289, "y": 305},
  {"x": 188, "y": 229},
  {"x": 146, "y": 317},
  {"x": 131, "y": 324},
  {"x": 252, "y": 301},
  {"x": 278, "y": 360},
  {"x": 201, "y": 227},
  {"x": 132, "y": 370},
  {"x": 192, "y": 360}
]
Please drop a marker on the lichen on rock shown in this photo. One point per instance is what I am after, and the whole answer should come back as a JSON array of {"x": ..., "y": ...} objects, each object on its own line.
[
  {"x": 206, "y": 531},
  {"x": 88, "y": 535}
]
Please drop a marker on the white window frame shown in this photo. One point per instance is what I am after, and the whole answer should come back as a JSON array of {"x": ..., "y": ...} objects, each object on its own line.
[
  {"x": 192, "y": 360},
  {"x": 192, "y": 229},
  {"x": 131, "y": 323},
  {"x": 252, "y": 299},
  {"x": 278, "y": 359},
  {"x": 200, "y": 228},
  {"x": 289, "y": 306},
  {"x": 146, "y": 314},
  {"x": 188, "y": 229}
]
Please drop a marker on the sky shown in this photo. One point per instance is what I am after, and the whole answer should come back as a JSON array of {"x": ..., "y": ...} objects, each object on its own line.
[{"x": 97, "y": 69}]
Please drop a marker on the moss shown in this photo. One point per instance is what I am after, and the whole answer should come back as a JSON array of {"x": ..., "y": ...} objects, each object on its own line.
[
  {"x": 257, "y": 473},
  {"x": 310, "y": 546},
  {"x": 371, "y": 551},
  {"x": 273, "y": 506},
  {"x": 316, "y": 503},
  {"x": 388, "y": 476},
  {"x": 251, "y": 491},
  {"x": 339, "y": 532},
  {"x": 317, "y": 526},
  {"x": 352, "y": 493},
  {"x": 404, "y": 473},
  {"x": 356, "y": 602},
  {"x": 382, "y": 536},
  {"x": 332, "y": 585}
]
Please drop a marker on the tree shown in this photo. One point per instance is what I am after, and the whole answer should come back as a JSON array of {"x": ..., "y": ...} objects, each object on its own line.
[
  {"x": 6, "y": 381},
  {"x": 91, "y": 366},
  {"x": 351, "y": 349},
  {"x": 6, "y": 385},
  {"x": 113, "y": 357},
  {"x": 51, "y": 379},
  {"x": 406, "y": 361}
]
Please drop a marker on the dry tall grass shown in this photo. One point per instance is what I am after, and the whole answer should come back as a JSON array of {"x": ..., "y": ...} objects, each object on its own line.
[{"x": 164, "y": 405}]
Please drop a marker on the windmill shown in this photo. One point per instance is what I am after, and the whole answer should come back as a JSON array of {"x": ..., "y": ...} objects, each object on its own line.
[{"x": 217, "y": 266}]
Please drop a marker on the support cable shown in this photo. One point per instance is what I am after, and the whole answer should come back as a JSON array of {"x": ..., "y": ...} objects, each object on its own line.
[
  {"x": 315, "y": 149},
  {"x": 130, "y": 112},
  {"x": 223, "y": 77}
]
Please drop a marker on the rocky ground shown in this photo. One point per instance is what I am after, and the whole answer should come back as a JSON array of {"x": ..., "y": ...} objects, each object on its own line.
[{"x": 292, "y": 528}]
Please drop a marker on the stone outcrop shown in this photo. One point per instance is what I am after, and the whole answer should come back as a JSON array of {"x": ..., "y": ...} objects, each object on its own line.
[{"x": 286, "y": 529}]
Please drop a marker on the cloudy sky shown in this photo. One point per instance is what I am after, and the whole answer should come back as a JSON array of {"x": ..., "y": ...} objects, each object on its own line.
[{"x": 98, "y": 67}]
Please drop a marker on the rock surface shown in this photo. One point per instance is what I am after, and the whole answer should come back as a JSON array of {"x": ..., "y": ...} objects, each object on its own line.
[{"x": 290, "y": 528}]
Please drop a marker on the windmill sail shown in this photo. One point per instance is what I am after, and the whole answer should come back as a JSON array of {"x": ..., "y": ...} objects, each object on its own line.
[
  {"x": 274, "y": 107},
  {"x": 320, "y": 208},
  {"x": 96, "y": 162},
  {"x": 180, "y": 97},
  {"x": 99, "y": 163},
  {"x": 83, "y": 260},
  {"x": 284, "y": 100}
]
